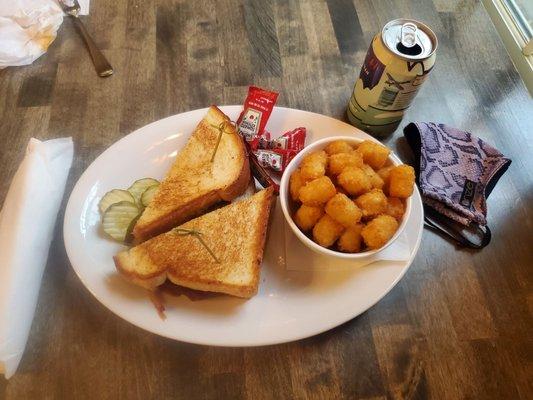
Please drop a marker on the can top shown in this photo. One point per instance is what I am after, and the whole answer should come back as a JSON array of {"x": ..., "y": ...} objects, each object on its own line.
[{"x": 409, "y": 39}]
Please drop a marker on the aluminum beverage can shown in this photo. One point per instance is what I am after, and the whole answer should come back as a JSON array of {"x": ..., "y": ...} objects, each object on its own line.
[{"x": 396, "y": 65}]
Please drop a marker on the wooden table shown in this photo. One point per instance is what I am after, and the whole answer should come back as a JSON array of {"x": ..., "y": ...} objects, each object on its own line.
[{"x": 459, "y": 323}]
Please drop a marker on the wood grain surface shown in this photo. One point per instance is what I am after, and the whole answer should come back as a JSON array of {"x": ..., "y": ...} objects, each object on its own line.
[{"x": 457, "y": 326}]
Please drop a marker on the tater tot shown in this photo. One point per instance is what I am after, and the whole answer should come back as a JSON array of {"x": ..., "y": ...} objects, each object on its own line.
[
  {"x": 338, "y": 146},
  {"x": 373, "y": 154},
  {"x": 395, "y": 207},
  {"x": 327, "y": 231},
  {"x": 350, "y": 240},
  {"x": 378, "y": 231},
  {"x": 401, "y": 181},
  {"x": 375, "y": 179},
  {"x": 340, "y": 189},
  {"x": 337, "y": 162},
  {"x": 307, "y": 216},
  {"x": 343, "y": 210},
  {"x": 372, "y": 203},
  {"x": 313, "y": 165},
  {"x": 295, "y": 184},
  {"x": 354, "y": 180},
  {"x": 384, "y": 173},
  {"x": 317, "y": 192}
]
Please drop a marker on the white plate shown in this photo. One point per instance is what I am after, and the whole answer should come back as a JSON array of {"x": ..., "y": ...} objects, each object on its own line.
[{"x": 290, "y": 305}]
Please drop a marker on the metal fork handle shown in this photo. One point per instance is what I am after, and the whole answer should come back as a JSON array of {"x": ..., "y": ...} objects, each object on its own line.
[{"x": 102, "y": 66}]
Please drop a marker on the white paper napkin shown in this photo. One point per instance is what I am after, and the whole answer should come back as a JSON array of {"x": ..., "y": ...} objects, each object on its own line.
[
  {"x": 28, "y": 27},
  {"x": 301, "y": 258},
  {"x": 27, "y": 223},
  {"x": 84, "y": 7}
]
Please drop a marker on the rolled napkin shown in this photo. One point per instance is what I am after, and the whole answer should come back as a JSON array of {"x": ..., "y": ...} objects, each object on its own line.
[
  {"x": 27, "y": 223},
  {"x": 456, "y": 172}
]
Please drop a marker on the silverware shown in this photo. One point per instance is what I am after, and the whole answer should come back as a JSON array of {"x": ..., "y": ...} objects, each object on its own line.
[{"x": 102, "y": 66}]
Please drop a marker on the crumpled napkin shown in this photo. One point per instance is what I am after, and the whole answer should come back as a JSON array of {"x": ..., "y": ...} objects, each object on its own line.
[
  {"x": 27, "y": 28},
  {"x": 27, "y": 223}
]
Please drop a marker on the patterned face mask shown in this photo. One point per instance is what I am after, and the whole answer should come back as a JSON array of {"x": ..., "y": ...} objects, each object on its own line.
[{"x": 456, "y": 171}]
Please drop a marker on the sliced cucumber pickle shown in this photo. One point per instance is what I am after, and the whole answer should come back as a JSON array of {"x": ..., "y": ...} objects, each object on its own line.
[
  {"x": 118, "y": 218},
  {"x": 139, "y": 186},
  {"x": 115, "y": 196},
  {"x": 129, "y": 232},
  {"x": 148, "y": 195}
]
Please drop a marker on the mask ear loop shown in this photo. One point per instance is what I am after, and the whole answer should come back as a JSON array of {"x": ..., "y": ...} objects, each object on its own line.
[{"x": 450, "y": 229}]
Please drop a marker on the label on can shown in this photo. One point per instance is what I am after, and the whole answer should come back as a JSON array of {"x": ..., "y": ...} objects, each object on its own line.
[
  {"x": 398, "y": 94},
  {"x": 371, "y": 71}
]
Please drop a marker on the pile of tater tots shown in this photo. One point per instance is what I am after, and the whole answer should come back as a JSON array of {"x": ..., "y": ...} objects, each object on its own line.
[{"x": 350, "y": 198}]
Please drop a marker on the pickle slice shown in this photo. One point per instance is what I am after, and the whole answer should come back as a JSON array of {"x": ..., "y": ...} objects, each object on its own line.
[
  {"x": 148, "y": 194},
  {"x": 114, "y": 196},
  {"x": 139, "y": 186},
  {"x": 118, "y": 218},
  {"x": 129, "y": 232}
]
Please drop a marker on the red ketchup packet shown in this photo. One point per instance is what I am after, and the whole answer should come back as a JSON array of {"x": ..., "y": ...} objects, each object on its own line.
[
  {"x": 265, "y": 152},
  {"x": 276, "y": 159},
  {"x": 257, "y": 109},
  {"x": 292, "y": 140},
  {"x": 277, "y": 153}
]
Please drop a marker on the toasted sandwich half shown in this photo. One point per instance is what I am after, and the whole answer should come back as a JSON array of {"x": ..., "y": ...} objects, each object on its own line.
[
  {"x": 195, "y": 182},
  {"x": 235, "y": 235}
]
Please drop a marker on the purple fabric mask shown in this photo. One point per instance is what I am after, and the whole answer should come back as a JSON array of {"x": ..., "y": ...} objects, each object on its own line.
[{"x": 456, "y": 170}]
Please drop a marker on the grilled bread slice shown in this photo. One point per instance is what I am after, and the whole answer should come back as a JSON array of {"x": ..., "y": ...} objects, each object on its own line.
[
  {"x": 234, "y": 233},
  {"x": 194, "y": 182}
]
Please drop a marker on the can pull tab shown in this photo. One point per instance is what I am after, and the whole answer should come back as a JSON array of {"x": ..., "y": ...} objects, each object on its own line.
[{"x": 408, "y": 34}]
